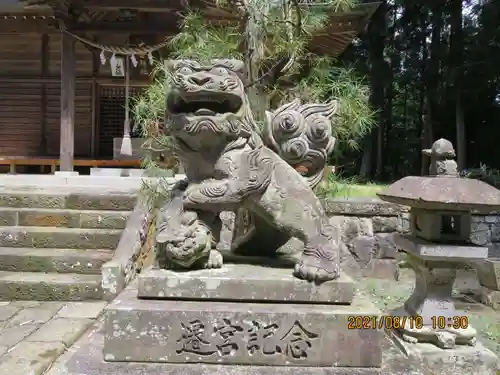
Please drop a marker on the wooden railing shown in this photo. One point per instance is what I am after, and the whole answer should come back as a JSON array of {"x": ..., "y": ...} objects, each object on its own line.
[{"x": 14, "y": 161}]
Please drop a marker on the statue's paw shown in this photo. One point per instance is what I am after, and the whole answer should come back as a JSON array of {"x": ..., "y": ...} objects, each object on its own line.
[
  {"x": 314, "y": 269},
  {"x": 223, "y": 246},
  {"x": 215, "y": 260}
]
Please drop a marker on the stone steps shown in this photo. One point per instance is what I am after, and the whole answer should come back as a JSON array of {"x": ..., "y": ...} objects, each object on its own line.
[
  {"x": 70, "y": 218},
  {"x": 87, "y": 261},
  {"x": 82, "y": 199},
  {"x": 55, "y": 240},
  {"x": 41, "y": 286},
  {"x": 59, "y": 238}
]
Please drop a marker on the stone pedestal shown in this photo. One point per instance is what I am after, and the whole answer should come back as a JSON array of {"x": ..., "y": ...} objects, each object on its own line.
[
  {"x": 243, "y": 282},
  {"x": 436, "y": 337},
  {"x": 430, "y": 314},
  {"x": 243, "y": 315}
]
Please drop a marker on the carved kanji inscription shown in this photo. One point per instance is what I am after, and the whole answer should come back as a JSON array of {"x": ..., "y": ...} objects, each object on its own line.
[
  {"x": 194, "y": 340},
  {"x": 231, "y": 337},
  {"x": 297, "y": 341},
  {"x": 228, "y": 337}
]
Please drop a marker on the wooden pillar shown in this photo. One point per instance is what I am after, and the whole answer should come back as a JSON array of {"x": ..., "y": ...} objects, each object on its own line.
[
  {"x": 44, "y": 70},
  {"x": 68, "y": 77},
  {"x": 96, "y": 64}
]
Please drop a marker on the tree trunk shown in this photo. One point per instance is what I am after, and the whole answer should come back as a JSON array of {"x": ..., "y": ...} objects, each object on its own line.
[
  {"x": 391, "y": 63},
  {"x": 433, "y": 76},
  {"x": 378, "y": 70},
  {"x": 430, "y": 79},
  {"x": 396, "y": 166},
  {"x": 255, "y": 43},
  {"x": 366, "y": 167},
  {"x": 456, "y": 57}
]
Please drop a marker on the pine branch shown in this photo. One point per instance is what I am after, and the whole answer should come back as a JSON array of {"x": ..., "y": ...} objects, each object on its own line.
[{"x": 286, "y": 70}]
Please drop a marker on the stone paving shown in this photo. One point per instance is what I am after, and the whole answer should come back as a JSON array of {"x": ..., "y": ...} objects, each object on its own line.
[{"x": 34, "y": 334}]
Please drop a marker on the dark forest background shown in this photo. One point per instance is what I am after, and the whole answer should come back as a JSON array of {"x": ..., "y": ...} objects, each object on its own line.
[{"x": 433, "y": 67}]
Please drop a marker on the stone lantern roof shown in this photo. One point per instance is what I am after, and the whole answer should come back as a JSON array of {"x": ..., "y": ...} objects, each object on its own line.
[
  {"x": 443, "y": 193},
  {"x": 443, "y": 189}
]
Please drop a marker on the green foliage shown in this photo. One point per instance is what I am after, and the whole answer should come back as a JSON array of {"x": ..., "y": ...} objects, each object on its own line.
[
  {"x": 325, "y": 81},
  {"x": 155, "y": 193},
  {"x": 355, "y": 117},
  {"x": 484, "y": 173},
  {"x": 199, "y": 41},
  {"x": 338, "y": 186},
  {"x": 287, "y": 32},
  {"x": 149, "y": 107},
  {"x": 149, "y": 112}
]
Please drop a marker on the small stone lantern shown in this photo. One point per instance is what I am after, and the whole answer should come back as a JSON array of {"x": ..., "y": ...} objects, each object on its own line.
[{"x": 438, "y": 243}]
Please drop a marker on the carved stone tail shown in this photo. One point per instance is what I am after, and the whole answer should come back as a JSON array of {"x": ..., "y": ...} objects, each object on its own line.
[{"x": 302, "y": 136}]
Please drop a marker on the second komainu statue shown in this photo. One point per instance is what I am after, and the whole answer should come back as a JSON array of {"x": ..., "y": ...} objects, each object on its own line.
[{"x": 246, "y": 191}]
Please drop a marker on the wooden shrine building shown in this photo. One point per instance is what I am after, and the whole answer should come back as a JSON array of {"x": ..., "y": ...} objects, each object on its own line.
[{"x": 59, "y": 104}]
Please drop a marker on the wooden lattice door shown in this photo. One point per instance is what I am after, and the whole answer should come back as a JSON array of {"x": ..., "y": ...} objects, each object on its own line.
[{"x": 112, "y": 116}]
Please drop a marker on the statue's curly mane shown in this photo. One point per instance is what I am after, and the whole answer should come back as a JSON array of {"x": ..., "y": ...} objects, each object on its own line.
[{"x": 302, "y": 135}]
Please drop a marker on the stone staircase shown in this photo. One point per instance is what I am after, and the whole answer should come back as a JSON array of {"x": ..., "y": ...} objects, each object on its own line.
[{"x": 53, "y": 241}]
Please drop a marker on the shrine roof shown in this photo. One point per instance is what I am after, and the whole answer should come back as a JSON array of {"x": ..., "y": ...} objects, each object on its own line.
[{"x": 342, "y": 27}]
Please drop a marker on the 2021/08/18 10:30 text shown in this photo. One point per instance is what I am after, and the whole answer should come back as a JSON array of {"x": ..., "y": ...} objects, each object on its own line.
[{"x": 411, "y": 322}]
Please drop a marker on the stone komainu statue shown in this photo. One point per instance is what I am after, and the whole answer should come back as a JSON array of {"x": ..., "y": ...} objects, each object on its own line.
[
  {"x": 442, "y": 156},
  {"x": 243, "y": 191}
]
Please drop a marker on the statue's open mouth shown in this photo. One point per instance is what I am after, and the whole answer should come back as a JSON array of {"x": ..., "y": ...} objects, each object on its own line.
[{"x": 203, "y": 105}]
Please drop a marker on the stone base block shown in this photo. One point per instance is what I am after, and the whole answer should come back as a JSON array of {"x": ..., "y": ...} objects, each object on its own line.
[
  {"x": 116, "y": 368},
  {"x": 66, "y": 173},
  {"x": 117, "y": 172},
  {"x": 85, "y": 358},
  {"x": 244, "y": 281},
  {"x": 460, "y": 360},
  {"x": 231, "y": 333},
  {"x": 466, "y": 282},
  {"x": 490, "y": 297},
  {"x": 488, "y": 272},
  {"x": 432, "y": 251}
]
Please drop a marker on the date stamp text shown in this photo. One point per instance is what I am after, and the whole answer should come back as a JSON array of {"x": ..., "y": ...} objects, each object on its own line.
[{"x": 409, "y": 322}]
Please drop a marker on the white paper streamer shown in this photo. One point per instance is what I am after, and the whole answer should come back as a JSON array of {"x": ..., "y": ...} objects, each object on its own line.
[
  {"x": 113, "y": 62},
  {"x": 150, "y": 58},
  {"x": 134, "y": 60},
  {"x": 103, "y": 58}
]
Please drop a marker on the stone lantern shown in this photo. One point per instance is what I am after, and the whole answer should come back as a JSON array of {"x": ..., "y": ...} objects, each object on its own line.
[{"x": 438, "y": 243}]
